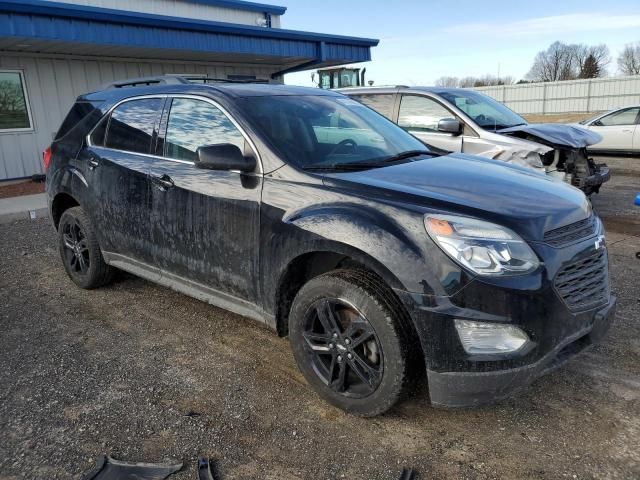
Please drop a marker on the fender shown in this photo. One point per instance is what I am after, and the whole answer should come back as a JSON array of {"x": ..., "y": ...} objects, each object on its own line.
[{"x": 389, "y": 240}]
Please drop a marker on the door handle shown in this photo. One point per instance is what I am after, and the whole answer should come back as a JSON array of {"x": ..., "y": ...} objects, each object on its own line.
[
  {"x": 164, "y": 182},
  {"x": 93, "y": 163},
  {"x": 627, "y": 130}
]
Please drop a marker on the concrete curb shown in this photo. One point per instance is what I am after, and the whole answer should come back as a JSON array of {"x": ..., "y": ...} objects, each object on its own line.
[
  {"x": 31, "y": 214},
  {"x": 23, "y": 208}
]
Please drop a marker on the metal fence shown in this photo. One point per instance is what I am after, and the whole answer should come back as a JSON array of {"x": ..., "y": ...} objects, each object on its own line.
[{"x": 573, "y": 96}]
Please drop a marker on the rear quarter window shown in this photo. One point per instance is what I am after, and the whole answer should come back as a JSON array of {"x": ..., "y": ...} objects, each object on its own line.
[
  {"x": 380, "y": 102},
  {"x": 78, "y": 113}
]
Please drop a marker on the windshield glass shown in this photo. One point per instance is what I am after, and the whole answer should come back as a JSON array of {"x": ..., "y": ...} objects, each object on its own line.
[
  {"x": 485, "y": 111},
  {"x": 590, "y": 119},
  {"x": 329, "y": 131}
]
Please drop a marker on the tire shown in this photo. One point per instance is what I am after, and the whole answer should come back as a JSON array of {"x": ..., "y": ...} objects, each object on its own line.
[
  {"x": 378, "y": 352},
  {"x": 80, "y": 251}
]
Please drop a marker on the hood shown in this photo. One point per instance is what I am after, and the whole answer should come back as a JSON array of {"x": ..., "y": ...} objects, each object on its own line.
[
  {"x": 527, "y": 202},
  {"x": 555, "y": 134}
]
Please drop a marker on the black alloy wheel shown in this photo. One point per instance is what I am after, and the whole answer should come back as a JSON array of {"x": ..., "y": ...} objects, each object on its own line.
[
  {"x": 76, "y": 249},
  {"x": 80, "y": 252},
  {"x": 343, "y": 348},
  {"x": 346, "y": 335}
]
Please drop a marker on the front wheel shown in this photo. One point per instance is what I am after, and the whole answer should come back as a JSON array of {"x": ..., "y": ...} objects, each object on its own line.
[{"x": 346, "y": 340}]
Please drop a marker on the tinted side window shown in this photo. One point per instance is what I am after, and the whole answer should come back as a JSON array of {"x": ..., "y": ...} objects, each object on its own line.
[
  {"x": 381, "y": 103},
  {"x": 625, "y": 117},
  {"x": 131, "y": 125},
  {"x": 421, "y": 114},
  {"x": 196, "y": 123}
]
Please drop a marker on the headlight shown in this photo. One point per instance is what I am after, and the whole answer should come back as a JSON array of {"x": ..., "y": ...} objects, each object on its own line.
[
  {"x": 482, "y": 247},
  {"x": 490, "y": 338}
]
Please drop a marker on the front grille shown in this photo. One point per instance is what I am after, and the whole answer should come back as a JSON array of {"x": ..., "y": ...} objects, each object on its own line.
[
  {"x": 584, "y": 284},
  {"x": 574, "y": 232}
]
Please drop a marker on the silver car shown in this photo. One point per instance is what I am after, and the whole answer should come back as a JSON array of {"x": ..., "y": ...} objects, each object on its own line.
[{"x": 460, "y": 120}]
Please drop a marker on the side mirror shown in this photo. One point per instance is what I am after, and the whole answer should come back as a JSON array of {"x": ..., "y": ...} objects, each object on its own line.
[
  {"x": 450, "y": 125},
  {"x": 223, "y": 156}
]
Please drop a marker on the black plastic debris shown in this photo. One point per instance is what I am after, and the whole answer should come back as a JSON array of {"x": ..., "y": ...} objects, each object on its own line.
[
  {"x": 408, "y": 474},
  {"x": 109, "y": 469}
]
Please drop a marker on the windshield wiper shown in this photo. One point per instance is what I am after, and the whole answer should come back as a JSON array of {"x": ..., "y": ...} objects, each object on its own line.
[
  {"x": 344, "y": 166},
  {"x": 350, "y": 166},
  {"x": 405, "y": 155},
  {"x": 503, "y": 127}
]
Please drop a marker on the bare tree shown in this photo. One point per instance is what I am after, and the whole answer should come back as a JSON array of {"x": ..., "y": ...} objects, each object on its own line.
[
  {"x": 467, "y": 82},
  {"x": 597, "y": 56},
  {"x": 485, "y": 81},
  {"x": 555, "y": 63},
  {"x": 11, "y": 98},
  {"x": 629, "y": 59},
  {"x": 448, "y": 82}
]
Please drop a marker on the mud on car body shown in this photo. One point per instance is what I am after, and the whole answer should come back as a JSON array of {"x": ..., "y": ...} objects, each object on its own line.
[
  {"x": 308, "y": 211},
  {"x": 460, "y": 120}
]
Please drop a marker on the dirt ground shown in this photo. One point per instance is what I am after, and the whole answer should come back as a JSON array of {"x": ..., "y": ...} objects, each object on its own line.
[
  {"x": 558, "y": 117},
  {"x": 146, "y": 374}
]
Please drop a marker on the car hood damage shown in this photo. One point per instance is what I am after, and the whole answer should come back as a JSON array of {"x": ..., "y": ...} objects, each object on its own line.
[{"x": 554, "y": 135}]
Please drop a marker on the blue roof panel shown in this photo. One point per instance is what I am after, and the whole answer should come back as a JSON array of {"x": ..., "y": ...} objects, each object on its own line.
[
  {"x": 65, "y": 10},
  {"x": 58, "y": 22}
]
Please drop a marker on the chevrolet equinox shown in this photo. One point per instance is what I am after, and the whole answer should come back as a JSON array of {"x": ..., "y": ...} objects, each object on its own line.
[{"x": 304, "y": 209}]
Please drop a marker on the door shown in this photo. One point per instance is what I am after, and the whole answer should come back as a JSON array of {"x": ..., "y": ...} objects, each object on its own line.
[
  {"x": 617, "y": 129},
  {"x": 420, "y": 116},
  {"x": 205, "y": 222},
  {"x": 117, "y": 175}
]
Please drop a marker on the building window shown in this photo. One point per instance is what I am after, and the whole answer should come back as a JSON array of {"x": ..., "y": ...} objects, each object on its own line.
[{"x": 14, "y": 104}]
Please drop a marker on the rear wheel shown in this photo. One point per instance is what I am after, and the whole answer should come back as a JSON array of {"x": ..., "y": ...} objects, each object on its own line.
[
  {"x": 346, "y": 340},
  {"x": 80, "y": 251}
]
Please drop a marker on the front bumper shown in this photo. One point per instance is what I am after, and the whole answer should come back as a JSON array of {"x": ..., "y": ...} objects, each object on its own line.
[
  {"x": 564, "y": 307},
  {"x": 593, "y": 182},
  {"x": 467, "y": 389}
]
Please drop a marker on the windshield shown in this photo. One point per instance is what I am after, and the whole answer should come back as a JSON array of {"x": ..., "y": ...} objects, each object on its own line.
[
  {"x": 329, "y": 131},
  {"x": 485, "y": 111},
  {"x": 590, "y": 119}
]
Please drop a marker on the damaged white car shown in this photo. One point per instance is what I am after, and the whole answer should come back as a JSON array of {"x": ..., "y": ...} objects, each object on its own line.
[{"x": 460, "y": 120}]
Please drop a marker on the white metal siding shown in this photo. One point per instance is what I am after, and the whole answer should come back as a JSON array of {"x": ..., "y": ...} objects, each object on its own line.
[
  {"x": 179, "y": 8},
  {"x": 595, "y": 95},
  {"x": 53, "y": 83}
]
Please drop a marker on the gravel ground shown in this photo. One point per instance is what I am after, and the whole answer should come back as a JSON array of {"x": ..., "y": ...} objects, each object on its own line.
[{"x": 146, "y": 374}]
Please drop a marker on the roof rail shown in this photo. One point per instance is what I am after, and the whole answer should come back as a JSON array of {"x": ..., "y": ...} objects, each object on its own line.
[
  {"x": 180, "y": 79},
  {"x": 146, "y": 81}
]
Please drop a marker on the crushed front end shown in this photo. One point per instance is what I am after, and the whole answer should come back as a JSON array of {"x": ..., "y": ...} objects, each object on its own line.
[{"x": 566, "y": 157}]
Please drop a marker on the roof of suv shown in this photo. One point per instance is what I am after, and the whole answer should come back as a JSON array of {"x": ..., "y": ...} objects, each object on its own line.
[
  {"x": 237, "y": 90},
  {"x": 387, "y": 89}
]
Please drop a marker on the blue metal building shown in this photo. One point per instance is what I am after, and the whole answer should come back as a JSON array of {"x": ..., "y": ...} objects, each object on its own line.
[{"x": 50, "y": 52}]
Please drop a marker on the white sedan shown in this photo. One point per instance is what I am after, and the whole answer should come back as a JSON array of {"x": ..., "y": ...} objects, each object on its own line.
[{"x": 620, "y": 130}]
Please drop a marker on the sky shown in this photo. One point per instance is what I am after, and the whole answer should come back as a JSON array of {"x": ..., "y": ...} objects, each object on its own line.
[{"x": 421, "y": 41}]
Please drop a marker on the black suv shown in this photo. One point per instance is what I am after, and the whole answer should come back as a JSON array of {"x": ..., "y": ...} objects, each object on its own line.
[{"x": 306, "y": 210}]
